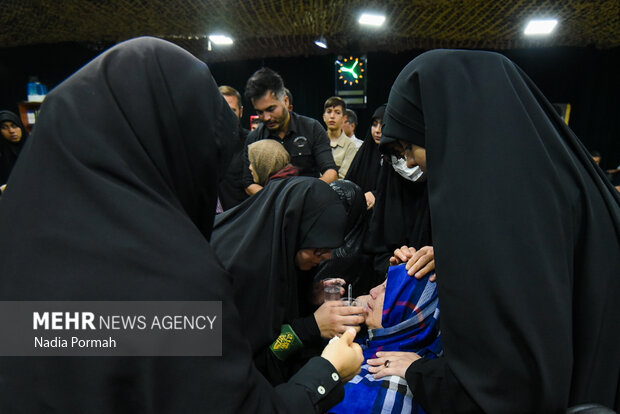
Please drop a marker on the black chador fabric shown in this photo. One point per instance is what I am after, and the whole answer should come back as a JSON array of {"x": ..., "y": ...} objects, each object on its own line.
[
  {"x": 401, "y": 217},
  {"x": 231, "y": 190},
  {"x": 348, "y": 261},
  {"x": 257, "y": 242},
  {"x": 353, "y": 199},
  {"x": 114, "y": 199},
  {"x": 365, "y": 167},
  {"x": 526, "y": 232},
  {"x": 9, "y": 151}
]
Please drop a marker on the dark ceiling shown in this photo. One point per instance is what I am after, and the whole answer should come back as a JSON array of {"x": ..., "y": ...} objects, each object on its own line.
[{"x": 269, "y": 28}]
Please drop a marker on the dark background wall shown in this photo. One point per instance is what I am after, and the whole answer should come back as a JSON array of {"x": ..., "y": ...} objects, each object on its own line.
[{"x": 586, "y": 78}]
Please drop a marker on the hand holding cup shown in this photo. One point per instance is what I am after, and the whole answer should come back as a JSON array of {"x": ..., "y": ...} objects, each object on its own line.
[{"x": 333, "y": 318}]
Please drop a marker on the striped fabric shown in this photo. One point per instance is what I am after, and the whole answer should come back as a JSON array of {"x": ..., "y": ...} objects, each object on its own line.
[{"x": 410, "y": 323}]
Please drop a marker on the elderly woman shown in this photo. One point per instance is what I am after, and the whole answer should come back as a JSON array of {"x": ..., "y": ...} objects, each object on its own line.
[
  {"x": 526, "y": 233},
  {"x": 402, "y": 315}
]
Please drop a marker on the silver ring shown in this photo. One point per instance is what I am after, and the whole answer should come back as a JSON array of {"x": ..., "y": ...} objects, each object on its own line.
[{"x": 387, "y": 363}]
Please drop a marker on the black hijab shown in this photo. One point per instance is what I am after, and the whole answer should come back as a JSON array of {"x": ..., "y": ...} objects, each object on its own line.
[
  {"x": 347, "y": 261},
  {"x": 401, "y": 217},
  {"x": 365, "y": 166},
  {"x": 526, "y": 232},
  {"x": 9, "y": 151},
  {"x": 257, "y": 242},
  {"x": 114, "y": 199},
  {"x": 354, "y": 201}
]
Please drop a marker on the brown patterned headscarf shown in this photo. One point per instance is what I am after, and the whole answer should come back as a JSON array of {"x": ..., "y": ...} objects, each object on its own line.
[{"x": 267, "y": 157}]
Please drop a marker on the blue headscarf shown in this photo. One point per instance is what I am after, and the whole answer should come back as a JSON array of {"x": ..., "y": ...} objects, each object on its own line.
[
  {"x": 410, "y": 316},
  {"x": 410, "y": 323}
]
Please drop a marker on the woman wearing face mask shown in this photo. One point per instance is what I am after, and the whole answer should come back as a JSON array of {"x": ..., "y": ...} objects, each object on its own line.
[
  {"x": 393, "y": 191},
  {"x": 400, "y": 228},
  {"x": 526, "y": 230}
]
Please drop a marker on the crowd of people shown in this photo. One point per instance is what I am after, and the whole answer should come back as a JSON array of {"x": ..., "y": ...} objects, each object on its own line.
[{"x": 468, "y": 195}]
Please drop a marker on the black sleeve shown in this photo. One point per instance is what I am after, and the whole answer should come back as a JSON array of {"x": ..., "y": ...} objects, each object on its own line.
[
  {"x": 381, "y": 261},
  {"x": 247, "y": 174},
  {"x": 436, "y": 388},
  {"x": 277, "y": 371},
  {"x": 317, "y": 384},
  {"x": 321, "y": 150},
  {"x": 274, "y": 370},
  {"x": 381, "y": 182},
  {"x": 306, "y": 329}
]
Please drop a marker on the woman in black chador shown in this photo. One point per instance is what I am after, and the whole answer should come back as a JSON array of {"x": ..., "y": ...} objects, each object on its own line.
[
  {"x": 290, "y": 225},
  {"x": 526, "y": 233},
  {"x": 366, "y": 165},
  {"x": 390, "y": 189},
  {"x": 115, "y": 200},
  {"x": 13, "y": 136}
]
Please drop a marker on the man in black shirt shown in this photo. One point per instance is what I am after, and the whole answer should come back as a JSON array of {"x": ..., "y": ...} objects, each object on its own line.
[
  {"x": 231, "y": 190},
  {"x": 303, "y": 137}
]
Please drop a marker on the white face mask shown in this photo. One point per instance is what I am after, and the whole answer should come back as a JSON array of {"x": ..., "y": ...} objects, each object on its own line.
[{"x": 412, "y": 174}]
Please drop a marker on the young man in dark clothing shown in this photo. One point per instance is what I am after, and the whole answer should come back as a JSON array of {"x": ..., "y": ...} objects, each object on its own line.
[{"x": 303, "y": 137}]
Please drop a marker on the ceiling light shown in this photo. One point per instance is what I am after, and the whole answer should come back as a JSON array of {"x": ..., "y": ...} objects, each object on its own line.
[
  {"x": 220, "y": 40},
  {"x": 540, "y": 26},
  {"x": 371, "y": 19},
  {"x": 321, "y": 42}
]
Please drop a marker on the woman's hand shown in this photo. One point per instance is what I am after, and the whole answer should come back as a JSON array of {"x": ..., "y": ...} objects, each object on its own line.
[
  {"x": 333, "y": 318},
  {"x": 419, "y": 262},
  {"x": 370, "y": 200},
  {"x": 345, "y": 355},
  {"x": 402, "y": 255},
  {"x": 391, "y": 363}
]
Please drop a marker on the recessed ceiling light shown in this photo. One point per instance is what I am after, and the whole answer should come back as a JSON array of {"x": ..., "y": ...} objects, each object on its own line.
[
  {"x": 321, "y": 42},
  {"x": 540, "y": 26},
  {"x": 371, "y": 19},
  {"x": 220, "y": 40}
]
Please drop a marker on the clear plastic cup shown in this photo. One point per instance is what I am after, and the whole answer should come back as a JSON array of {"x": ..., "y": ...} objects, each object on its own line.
[
  {"x": 348, "y": 301},
  {"x": 332, "y": 288}
]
